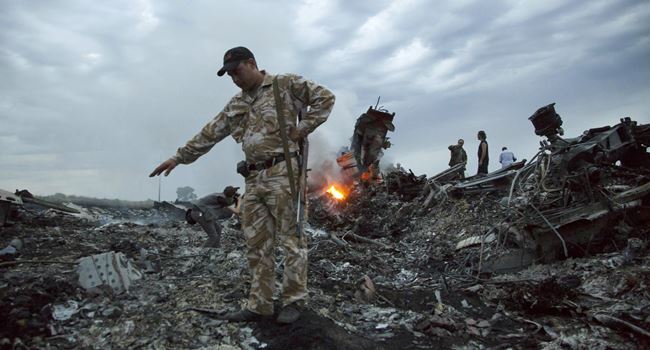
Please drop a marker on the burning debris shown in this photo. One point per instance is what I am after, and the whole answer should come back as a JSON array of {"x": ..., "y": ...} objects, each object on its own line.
[
  {"x": 551, "y": 252},
  {"x": 577, "y": 197},
  {"x": 335, "y": 193}
]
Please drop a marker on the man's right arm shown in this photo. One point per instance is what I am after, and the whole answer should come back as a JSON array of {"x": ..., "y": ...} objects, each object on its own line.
[
  {"x": 213, "y": 132},
  {"x": 216, "y": 130}
]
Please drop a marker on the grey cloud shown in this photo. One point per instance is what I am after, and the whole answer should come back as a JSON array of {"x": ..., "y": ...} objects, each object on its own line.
[{"x": 93, "y": 96}]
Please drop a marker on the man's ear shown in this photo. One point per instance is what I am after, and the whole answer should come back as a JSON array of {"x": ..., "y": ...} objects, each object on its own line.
[{"x": 252, "y": 62}]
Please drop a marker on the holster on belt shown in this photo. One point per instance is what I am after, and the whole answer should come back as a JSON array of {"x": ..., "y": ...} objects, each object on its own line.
[{"x": 242, "y": 169}]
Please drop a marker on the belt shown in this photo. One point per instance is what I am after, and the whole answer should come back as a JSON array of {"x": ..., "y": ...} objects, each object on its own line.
[{"x": 265, "y": 164}]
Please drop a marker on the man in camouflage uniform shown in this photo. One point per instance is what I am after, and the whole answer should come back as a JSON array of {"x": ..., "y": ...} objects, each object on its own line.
[
  {"x": 208, "y": 210},
  {"x": 269, "y": 211},
  {"x": 458, "y": 155}
]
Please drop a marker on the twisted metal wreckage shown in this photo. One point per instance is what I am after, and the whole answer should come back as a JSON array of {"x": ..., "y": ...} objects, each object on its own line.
[
  {"x": 10, "y": 202},
  {"x": 573, "y": 197}
]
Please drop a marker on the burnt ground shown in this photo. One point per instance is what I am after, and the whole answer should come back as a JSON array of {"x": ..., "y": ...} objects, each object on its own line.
[{"x": 415, "y": 291}]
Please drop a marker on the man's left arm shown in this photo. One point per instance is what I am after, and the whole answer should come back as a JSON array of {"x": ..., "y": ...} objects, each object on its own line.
[{"x": 319, "y": 99}]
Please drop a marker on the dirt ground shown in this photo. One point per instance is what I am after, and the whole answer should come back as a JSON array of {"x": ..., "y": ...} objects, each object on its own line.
[{"x": 410, "y": 289}]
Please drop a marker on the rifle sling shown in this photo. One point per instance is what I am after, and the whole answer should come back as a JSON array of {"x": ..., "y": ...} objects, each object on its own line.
[{"x": 283, "y": 134}]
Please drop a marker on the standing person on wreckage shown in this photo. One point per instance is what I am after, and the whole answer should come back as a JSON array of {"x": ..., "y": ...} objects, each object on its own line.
[{"x": 263, "y": 118}]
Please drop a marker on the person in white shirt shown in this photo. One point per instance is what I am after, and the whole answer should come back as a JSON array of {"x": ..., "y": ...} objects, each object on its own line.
[{"x": 506, "y": 158}]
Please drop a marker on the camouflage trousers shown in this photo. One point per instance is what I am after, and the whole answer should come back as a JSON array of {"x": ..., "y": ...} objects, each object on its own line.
[{"x": 269, "y": 216}]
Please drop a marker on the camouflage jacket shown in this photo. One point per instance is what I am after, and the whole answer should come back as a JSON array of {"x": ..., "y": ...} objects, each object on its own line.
[
  {"x": 458, "y": 155},
  {"x": 251, "y": 118}
]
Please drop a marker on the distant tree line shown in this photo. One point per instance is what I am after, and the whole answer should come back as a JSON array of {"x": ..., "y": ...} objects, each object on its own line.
[
  {"x": 185, "y": 194},
  {"x": 97, "y": 202}
]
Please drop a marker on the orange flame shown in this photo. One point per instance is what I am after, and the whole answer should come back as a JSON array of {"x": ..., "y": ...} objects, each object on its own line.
[{"x": 336, "y": 193}]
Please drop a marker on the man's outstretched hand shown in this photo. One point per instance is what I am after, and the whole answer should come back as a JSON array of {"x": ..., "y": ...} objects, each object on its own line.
[{"x": 166, "y": 166}]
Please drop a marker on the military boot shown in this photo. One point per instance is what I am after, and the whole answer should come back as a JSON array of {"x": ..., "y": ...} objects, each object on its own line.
[
  {"x": 289, "y": 314},
  {"x": 243, "y": 315}
]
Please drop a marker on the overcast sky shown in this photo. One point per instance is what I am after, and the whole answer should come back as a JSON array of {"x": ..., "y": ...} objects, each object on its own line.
[{"x": 93, "y": 95}]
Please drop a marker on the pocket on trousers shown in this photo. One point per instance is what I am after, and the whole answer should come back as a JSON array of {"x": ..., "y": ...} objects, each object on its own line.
[{"x": 254, "y": 239}]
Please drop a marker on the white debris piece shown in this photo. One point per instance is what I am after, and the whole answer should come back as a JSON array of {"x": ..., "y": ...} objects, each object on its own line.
[
  {"x": 475, "y": 240},
  {"x": 62, "y": 312},
  {"x": 111, "y": 268}
]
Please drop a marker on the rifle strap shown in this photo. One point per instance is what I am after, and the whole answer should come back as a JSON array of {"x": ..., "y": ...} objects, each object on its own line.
[{"x": 283, "y": 134}]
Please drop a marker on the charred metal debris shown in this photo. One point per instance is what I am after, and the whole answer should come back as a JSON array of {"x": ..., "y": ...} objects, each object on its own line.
[
  {"x": 578, "y": 198},
  {"x": 548, "y": 253}
]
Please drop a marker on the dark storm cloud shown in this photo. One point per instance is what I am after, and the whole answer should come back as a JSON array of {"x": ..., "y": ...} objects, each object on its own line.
[
  {"x": 490, "y": 67},
  {"x": 94, "y": 95}
]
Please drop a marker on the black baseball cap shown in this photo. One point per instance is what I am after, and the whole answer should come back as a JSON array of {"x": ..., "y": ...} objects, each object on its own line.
[
  {"x": 230, "y": 191},
  {"x": 232, "y": 58}
]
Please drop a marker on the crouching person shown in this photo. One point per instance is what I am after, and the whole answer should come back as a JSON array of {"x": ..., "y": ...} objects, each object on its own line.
[{"x": 208, "y": 210}]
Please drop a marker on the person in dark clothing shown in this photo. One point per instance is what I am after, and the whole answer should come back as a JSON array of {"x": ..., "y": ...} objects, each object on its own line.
[
  {"x": 208, "y": 210},
  {"x": 483, "y": 154}
]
